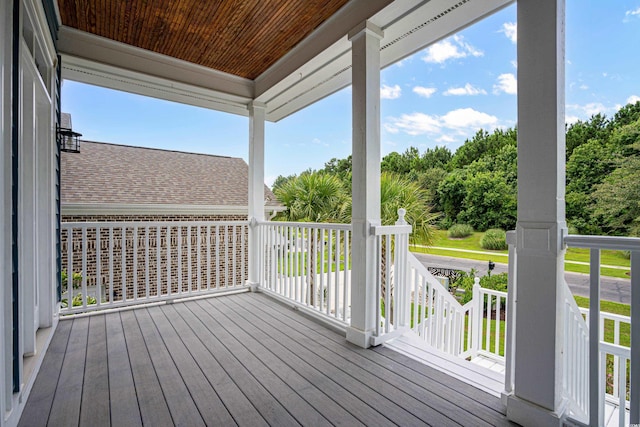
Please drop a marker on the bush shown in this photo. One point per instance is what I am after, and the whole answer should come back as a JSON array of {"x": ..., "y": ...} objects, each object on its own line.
[
  {"x": 460, "y": 231},
  {"x": 497, "y": 282},
  {"x": 494, "y": 239}
]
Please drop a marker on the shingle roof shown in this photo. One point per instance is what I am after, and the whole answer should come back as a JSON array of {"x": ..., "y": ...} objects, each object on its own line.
[{"x": 110, "y": 173}]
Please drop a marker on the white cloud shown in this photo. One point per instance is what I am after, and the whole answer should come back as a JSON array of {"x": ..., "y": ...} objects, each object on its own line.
[
  {"x": 463, "y": 121},
  {"x": 585, "y": 111},
  {"x": 414, "y": 124},
  {"x": 507, "y": 83},
  {"x": 425, "y": 91},
  {"x": 629, "y": 14},
  {"x": 390, "y": 92},
  {"x": 451, "y": 48},
  {"x": 445, "y": 139},
  {"x": 584, "y": 87},
  {"x": 510, "y": 29},
  {"x": 570, "y": 119},
  {"x": 514, "y": 64},
  {"x": 468, "y": 118},
  {"x": 468, "y": 89},
  {"x": 633, "y": 99}
]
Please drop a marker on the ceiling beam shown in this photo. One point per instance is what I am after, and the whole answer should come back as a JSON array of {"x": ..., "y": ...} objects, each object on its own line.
[{"x": 96, "y": 60}]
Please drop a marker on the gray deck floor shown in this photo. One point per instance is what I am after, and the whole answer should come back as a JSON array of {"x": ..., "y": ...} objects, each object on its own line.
[{"x": 237, "y": 360}]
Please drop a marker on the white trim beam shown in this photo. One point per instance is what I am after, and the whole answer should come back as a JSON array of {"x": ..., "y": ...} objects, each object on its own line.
[
  {"x": 91, "y": 59},
  {"x": 69, "y": 209}
]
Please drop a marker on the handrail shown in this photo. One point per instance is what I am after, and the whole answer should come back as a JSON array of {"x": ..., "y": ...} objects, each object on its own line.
[{"x": 313, "y": 225}]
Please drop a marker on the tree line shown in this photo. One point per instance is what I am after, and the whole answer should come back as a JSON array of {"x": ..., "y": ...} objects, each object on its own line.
[{"x": 477, "y": 185}]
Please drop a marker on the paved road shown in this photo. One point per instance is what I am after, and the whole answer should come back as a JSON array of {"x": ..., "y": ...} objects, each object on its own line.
[{"x": 612, "y": 289}]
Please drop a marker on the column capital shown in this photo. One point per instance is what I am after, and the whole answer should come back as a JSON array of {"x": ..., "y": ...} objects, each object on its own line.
[
  {"x": 365, "y": 27},
  {"x": 256, "y": 105}
]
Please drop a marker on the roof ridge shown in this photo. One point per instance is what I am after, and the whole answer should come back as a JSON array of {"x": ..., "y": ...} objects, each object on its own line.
[{"x": 161, "y": 149}]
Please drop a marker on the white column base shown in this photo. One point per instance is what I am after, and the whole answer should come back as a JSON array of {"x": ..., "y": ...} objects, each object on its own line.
[
  {"x": 359, "y": 337},
  {"x": 255, "y": 286},
  {"x": 528, "y": 414}
]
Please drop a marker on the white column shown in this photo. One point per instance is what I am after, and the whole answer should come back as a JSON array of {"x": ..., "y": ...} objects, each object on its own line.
[
  {"x": 256, "y": 187},
  {"x": 365, "y": 42},
  {"x": 537, "y": 395},
  {"x": 6, "y": 341}
]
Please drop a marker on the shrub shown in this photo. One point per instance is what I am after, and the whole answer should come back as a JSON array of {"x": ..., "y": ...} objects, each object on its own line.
[
  {"x": 460, "y": 230},
  {"x": 497, "y": 282},
  {"x": 494, "y": 239}
]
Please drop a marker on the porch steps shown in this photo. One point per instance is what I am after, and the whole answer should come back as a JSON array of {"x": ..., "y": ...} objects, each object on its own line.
[{"x": 474, "y": 374}]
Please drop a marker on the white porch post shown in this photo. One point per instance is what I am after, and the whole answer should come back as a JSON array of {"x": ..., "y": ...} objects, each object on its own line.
[
  {"x": 537, "y": 395},
  {"x": 365, "y": 42},
  {"x": 256, "y": 188}
]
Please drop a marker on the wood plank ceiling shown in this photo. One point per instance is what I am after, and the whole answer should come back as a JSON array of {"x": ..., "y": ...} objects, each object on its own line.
[{"x": 240, "y": 37}]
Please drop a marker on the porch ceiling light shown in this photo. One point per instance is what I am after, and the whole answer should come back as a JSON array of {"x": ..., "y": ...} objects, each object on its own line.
[{"x": 68, "y": 140}]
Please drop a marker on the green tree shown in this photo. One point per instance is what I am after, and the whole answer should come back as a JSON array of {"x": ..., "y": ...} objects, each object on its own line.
[
  {"x": 312, "y": 197},
  {"x": 578, "y": 133},
  {"x": 617, "y": 199},
  {"x": 483, "y": 144}
]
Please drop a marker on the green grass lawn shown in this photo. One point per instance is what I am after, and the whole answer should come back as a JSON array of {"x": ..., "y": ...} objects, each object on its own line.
[{"x": 616, "y": 258}]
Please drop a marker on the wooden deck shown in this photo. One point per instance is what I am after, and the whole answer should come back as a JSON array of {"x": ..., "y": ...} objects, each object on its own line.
[{"x": 237, "y": 360}]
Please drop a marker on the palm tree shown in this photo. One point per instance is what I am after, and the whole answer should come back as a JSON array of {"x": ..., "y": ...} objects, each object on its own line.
[
  {"x": 398, "y": 192},
  {"x": 312, "y": 197}
]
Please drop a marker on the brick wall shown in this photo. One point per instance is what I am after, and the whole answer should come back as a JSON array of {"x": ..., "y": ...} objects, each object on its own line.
[{"x": 182, "y": 246}]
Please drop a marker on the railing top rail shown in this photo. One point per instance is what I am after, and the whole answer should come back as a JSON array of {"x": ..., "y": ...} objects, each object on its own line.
[
  {"x": 142, "y": 224},
  {"x": 609, "y": 316},
  {"x": 380, "y": 230},
  {"x": 318, "y": 225},
  {"x": 603, "y": 242},
  {"x": 615, "y": 349},
  {"x": 422, "y": 270},
  {"x": 493, "y": 292}
]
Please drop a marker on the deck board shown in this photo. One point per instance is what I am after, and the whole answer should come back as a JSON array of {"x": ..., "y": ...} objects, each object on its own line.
[
  {"x": 44, "y": 388},
  {"x": 123, "y": 401},
  {"x": 94, "y": 409},
  {"x": 153, "y": 406},
  {"x": 65, "y": 410},
  {"x": 243, "y": 360},
  {"x": 426, "y": 399}
]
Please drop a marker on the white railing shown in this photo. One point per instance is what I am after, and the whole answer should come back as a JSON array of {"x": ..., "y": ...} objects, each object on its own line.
[
  {"x": 392, "y": 296},
  {"x": 615, "y": 361},
  {"x": 309, "y": 265},
  {"x": 600, "y": 351},
  {"x": 114, "y": 264},
  {"x": 575, "y": 380},
  {"x": 488, "y": 328}
]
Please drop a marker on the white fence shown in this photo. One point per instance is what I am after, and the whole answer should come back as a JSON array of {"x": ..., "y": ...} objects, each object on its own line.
[
  {"x": 623, "y": 387},
  {"x": 113, "y": 264},
  {"x": 308, "y": 264}
]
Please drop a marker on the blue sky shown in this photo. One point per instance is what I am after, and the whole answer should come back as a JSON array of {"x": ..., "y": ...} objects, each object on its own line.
[{"x": 439, "y": 96}]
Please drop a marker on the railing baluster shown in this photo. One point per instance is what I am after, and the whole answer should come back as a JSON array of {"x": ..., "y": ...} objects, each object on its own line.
[
  {"x": 158, "y": 261},
  {"x": 189, "y": 267},
  {"x": 85, "y": 297},
  {"x": 198, "y": 261},
  {"x": 179, "y": 237},
  {"x": 596, "y": 400},
  {"x": 169, "y": 244},
  {"x": 111, "y": 264},
  {"x": 135, "y": 262},
  {"x": 209, "y": 257},
  {"x": 634, "y": 399},
  {"x": 146, "y": 261},
  {"x": 345, "y": 276},
  {"x": 98, "y": 268},
  {"x": 123, "y": 262},
  {"x": 336, "y": 292}
]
